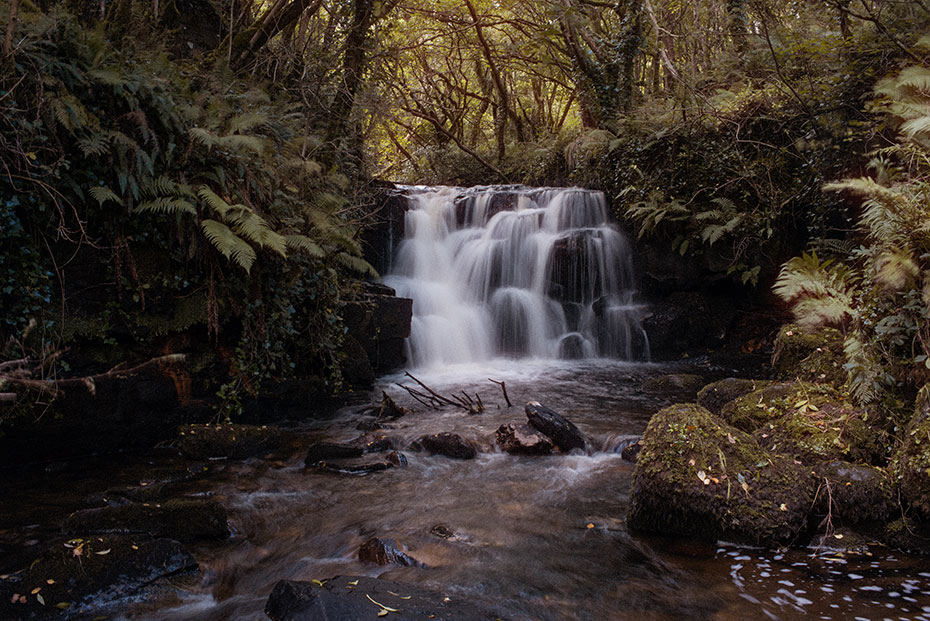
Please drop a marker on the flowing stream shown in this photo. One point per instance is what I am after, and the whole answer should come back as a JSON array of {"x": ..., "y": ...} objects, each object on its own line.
[{"x": 539, "y": 275}]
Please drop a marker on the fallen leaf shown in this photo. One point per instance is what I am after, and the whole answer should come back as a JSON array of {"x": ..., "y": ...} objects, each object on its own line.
[
  {"x": 49, "y": 581},
  {"x": 837, "y": 536},
  {"x": 383, "y": 607},
  {"x": 102, "y": 552},
  {"x": 691, "y": 462},
  {"x": 35, "y": 590},
  {"x": 15, "y": 598},
  {"x": 318, "y": 582},
  {"x": 383, "y": 612},
  {"x": 590, "y": 525},
  {"x": 40, "y": 599},
  {"x": 353, "y": 583},
  {"x": 783, "y": 507},
  {"x": 62, "y": 605},
  {"x": 135, "y": 547},
  {"x": 703, "y": 477},
  {"x": 731, "y": 439}
]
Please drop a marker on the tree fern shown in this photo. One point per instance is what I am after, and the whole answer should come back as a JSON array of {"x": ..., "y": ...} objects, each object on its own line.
[
  {"x": 819, "y": 292},
  {"x": 167, "y": 205},
  {"x": 304, "y": 244},
  {"x": 103, "y": 194},
  {"x": 229, "y": 244}
]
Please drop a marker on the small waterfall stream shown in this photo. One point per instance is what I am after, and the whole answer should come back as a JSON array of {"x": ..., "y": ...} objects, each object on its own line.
[{"x": 509, "y": 271}]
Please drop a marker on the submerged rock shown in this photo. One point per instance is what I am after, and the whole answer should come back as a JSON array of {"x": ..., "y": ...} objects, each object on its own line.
[
  {"x": 854, "y": 494},
  {"x": 521, "y": 439},
  {"x": 631, "y": 451},
  {"x": 357, "y": 598},
  {"x": 76, "y": 578},
  {"x": 717, "y": 394},
  {"x": 386, "y": 552},
  {"x": 350, "y": 468},
  {"x": 325, "y": 452},
  {"x": 675, "y": 383},
  {"x": 809, "y": 355},
  {"x": 698, "y": 476},
  {"x": 556, "y": 427},
  {"x": 447, "y": 444},
  {"x": 181, "y": 519},
  {"x": 233, "y": 441}
]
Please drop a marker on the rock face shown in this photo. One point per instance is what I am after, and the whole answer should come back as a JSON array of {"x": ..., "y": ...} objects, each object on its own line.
[
  {"x": 233, "y": 441},
  {"x": 813, "y": 356},
  {"x": 555, "y": 426},
  {"x": 344, "y": 598},
  {"x": 687, "y": 321},
  {"x": 448, "y": 444},
  {"x": 698, "y": 476},
  {"x": 386, "y": 552},
  {"x": 518, "y": 439},
  {"x": 184, "y": 520},
  {"x": 717, "y": 394},
  {"x": 88, "y": 573},
  {"x": 379, "y": 323}
]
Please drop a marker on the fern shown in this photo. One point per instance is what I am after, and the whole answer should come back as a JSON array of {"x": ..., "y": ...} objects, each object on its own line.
[
  {"x": 168, "y": 205},
  {"x": 103, "y": 194},
  {"x": 235, "y": 142},
  {"x": 820, "y": 292},
  {"x": 356, "y": 264},
  {"x": 229, "y": 244},
  {"x": 253, "y": 227},
  {"x": 304, "y": 244}
]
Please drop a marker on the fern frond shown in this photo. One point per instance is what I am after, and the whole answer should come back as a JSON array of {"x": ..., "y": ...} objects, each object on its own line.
[
  {"x": 819, "y": 292},
  {"x": 915, "y": 77},
  {"x": 357, "y": 264},
  {"x": 215, "y": 202},
  {"x": 168, "y": 205},
  {"x": 103, "y": 194},
  {"x": 895, "y": 269},
  {"x": 246, "y": 121},
  {"x": 229, "y": 244},
  {"x": 724, "y": 203},
  {"x": 227, "y": 143},
  {"x": 304, "y": 244},
  {"x": 96, "y": 145},
  {"x": 253, "y": 227},
  {"x": 110, "y": 77}
]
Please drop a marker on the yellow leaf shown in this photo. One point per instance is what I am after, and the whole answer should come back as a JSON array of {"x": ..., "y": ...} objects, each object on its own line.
[
  {"x": 62, "y": 605},
  {"x": 40, "y": 599},
  {"x": 383, "y": 612},
  {"x": 318, "y": 582},
  {"x": 353, "y": 583},
  {"x": 49, "y": 581},
  {"x": 383, "y": 607},
  {"x": 102, "y": 552},
  {"x": 590, "y": 525},
  {"x": 783, "y": 507}
]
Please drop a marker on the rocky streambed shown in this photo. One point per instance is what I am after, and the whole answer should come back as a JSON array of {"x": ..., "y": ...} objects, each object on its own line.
[{"x": 440, "y": 511}]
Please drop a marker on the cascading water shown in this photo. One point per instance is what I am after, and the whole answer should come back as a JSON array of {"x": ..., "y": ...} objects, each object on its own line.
[{"x": 518, "y": 272}]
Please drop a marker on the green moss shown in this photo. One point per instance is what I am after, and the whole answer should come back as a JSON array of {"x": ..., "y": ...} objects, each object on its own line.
[
  {"x": 809, "y": 356},
  {"x": 717, "y": 394},
  {"x": 911, "y": 466},
  {"x": 698, "y": 476},
  {"x": 759, "y": 407}
]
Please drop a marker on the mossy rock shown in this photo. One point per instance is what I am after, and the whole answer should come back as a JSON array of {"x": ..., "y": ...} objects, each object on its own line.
[
  {"x": 911, "y": 467},
  {"x": 907, "y": 535},
  {"x": 818, "y": 422},
  {"x": 233, "y": 441},
  {"x": 181, "y": 519},
  {"x": 813, "y": 356},
  {"x": 674, "y": 383},
  {"x": 752, "y": 410},
  {"x": 855, "y": 494},
  {"x": 697, "y": 476},
  {"x": 717, "y": 394}
]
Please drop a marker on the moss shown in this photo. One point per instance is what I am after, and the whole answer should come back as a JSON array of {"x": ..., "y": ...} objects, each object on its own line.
[
  {"x": 698, "y": 476},
  {"x": 753, "y": 410},
  {"x": 908, "y": 535},
  {"x": 809, "y": 356},
  {"x": 911, "y": 466},
  {"x": 678, "y": 382},
  {"x": 717, "y": 394}
]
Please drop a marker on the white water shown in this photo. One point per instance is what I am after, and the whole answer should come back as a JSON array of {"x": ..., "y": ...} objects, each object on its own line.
[{"x": 516, "y": 272}]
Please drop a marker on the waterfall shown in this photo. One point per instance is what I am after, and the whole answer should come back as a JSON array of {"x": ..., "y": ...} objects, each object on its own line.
[{"x": 515, "y": 272}]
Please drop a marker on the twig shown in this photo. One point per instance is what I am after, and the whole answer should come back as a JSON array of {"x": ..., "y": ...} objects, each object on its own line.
[{"x": 503, "y": 386}]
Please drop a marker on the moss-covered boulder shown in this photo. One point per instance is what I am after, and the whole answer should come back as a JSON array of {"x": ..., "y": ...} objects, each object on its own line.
[
  {"x": 811, "y": 422},
  {"x": 908, "y": 535},
  {"x": 813, "y": 356},
  {"x": 855, "y": 494},
  {"x": 698, "y": 476},
  {"x": 911, "y": 467},
  {"x": 717, "y": 394},
  {"x": 233, "y": 441},
  {"x": 675, "y": 383}
]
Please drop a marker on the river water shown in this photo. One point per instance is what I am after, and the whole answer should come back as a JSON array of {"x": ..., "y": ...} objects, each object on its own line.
[{"x": 535, "y": 537}]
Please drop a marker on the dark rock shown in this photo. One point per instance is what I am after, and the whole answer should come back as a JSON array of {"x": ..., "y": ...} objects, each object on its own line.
[
  {"x": 326, "y": 451},
  {"x": 356, "y": 367},
  {"x": 182, "y": 519},
  {"x": 717, "y": 394},
  {"x": 521, "y": 439},
  {"x": 631, "y": 451},
  {"x": 344, "y": 599},
  {"x": 908, "y": 535},
  {"x": 855, "y": 494},
  {"x": 697, "y": 476},
  {"x": 89, "y": 573},
  {"x": 686, "y": 321},
  {"x": 448, "y": 444},
  {"x": 379, "y": 324},
  {"x": 398, "y": 459},
  {"x": 842, "y": 541},
  {"x": 809, "y": 355},
  {"x": 555, "y": 426},
  {"x": 442, "y": 531},
  {"x": 233, "y": 441},
  {"x": 355, "y": 469},
  {"x": 389, "y": 409},
  {"x": 386, "y": 552},
  {"x": 911, "y": 465}
]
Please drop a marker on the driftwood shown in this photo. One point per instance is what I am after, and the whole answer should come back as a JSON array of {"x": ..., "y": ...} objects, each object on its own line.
[
  {"x": 503, "y": 386},
  {"x": 432, "y": 399},
  {"x": 16, "y": 378}
]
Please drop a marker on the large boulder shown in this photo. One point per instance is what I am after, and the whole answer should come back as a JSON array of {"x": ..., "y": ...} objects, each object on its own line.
[
  {"x": 559, "y": 429},
  {"x": 697, "y": 476},
  {"x": 360, "y": 598},
  {"x": 717, "y": 394},
  {"x": 809, "y": 355},
  {"x": 75, "y": 578},
  {"x": 181, "y": 519},
  {"x": 855, "y": 494}
]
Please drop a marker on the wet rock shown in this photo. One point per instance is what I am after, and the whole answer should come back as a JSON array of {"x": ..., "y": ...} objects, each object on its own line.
[
  {"x": 908, "y": 535},
  {"x": 855, "y": 494},
  {"x": 687, "y": 320},
  {"x": 556, "y": 427},
  {"x": 356, "y": 469},
  {"x": 326, "y": 451},
  {"x": 160, "y": 487},
  {"x": 389, "y": 409},
  {"x": 344, "y": 598},
  {"x": 443, "y": 531},
  {"x": 813, "y": 356},
  {"x": 386, "y": 552},
  {"x": 841, "y": 541},
  {"x": 717, "y": 394},
  {"x": 181, "y": 519},
  {"x": 519, "y": 439},
  {"x": 398, "y": 459},
  {"x": 83, "y": 575},
  {"x": 448, "y": 444},
  {"x": 677, "y": 383},
  {"x": 355, "y": 365},
  {"x": 759, "y": 407},
  {"x": 631, "y": 451},
  {"x": 233, "y": 441},
  {"x": 697, "y": 476}
]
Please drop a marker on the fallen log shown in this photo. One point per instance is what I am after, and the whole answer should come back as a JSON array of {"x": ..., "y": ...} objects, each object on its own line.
[{"x": 556, "y": 427}]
